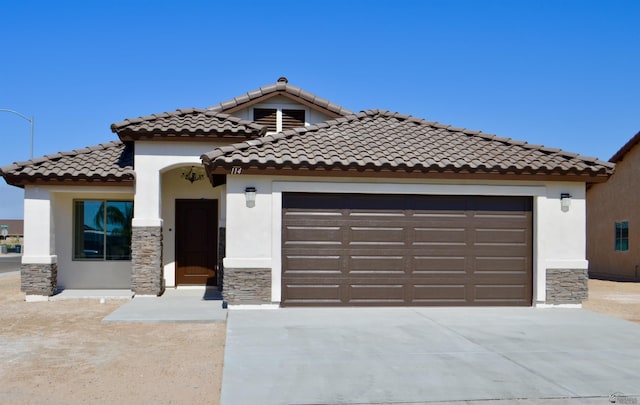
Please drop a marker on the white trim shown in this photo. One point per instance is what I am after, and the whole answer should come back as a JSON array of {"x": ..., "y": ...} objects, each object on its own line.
[
  {"x": 142, "y": 222},
  {"x": 410, "y": 188},
  {"x": 539, "y": 272},
  {"x": 39, "y": 259},
  {"x": 567, "y": 264},
  {"x": 551, "y": 306},
  {"x": 258, "y": 263}
]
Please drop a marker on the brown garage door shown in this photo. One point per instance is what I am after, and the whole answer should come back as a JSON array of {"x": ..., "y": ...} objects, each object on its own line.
[{"x": 363, "y": 249}]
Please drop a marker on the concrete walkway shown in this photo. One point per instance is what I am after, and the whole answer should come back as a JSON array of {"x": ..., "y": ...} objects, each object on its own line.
[
  {"x": 175, "y": 305},
  {"x": 419, "y": 355}
]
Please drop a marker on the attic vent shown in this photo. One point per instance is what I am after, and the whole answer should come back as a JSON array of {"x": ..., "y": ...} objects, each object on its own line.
[
  {"x": 292, "y": 118},
  {"x": 283, "y": 79},
  {"x": 266, "y": 117}
]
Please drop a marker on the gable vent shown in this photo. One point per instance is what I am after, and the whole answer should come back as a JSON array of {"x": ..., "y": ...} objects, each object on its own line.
[
  {"x": 292, "y": 118},
  {"x": 266, "y": 117}
]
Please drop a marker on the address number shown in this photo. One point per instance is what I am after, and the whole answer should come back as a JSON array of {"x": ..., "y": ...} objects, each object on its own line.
[{"x": 236, "y": 170}]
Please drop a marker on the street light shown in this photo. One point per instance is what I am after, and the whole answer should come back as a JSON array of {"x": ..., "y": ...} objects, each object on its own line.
[{"x": 26, "y": 118}]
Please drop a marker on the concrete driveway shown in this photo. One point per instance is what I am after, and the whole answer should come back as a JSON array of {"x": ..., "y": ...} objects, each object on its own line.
[{"x": 415, "y": 355}]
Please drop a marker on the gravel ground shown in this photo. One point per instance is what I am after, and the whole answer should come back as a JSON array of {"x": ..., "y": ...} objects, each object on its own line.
[
  {"x": 618, "y": 299},
  {"x": 60, "y": 352}
]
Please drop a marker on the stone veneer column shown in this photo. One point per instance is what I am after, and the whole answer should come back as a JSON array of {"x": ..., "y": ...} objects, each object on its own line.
[
  {"x": 247, "y": 286},
  {"x": 146, "y": 260},
  {"x": 566, "y": 286},
  {"x": 39, "y": 279}
]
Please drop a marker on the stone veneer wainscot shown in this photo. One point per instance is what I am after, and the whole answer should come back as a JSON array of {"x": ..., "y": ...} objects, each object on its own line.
[
  {"x": 39, "y": 279},
  {"x": 247, "y": 286},
  {"x": 146, "y": 261},
  {"x": 566, "y": 286}
]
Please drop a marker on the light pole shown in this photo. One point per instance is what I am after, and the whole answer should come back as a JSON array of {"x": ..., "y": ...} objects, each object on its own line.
[{"x": 26, "y": 118}]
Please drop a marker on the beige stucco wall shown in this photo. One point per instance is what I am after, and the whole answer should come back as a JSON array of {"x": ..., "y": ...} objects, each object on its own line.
[{"x": 607, "y": 203}]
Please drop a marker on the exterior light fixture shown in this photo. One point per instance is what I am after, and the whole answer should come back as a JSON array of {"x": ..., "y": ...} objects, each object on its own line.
[
  {"x": 192, "y": 175},
  {"x": 565, "y": 201},
  {"x": 250, "y": 196}
]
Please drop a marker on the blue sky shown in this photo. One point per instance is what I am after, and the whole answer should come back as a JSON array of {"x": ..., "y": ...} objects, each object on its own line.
[{"x": 559, "y": 73}]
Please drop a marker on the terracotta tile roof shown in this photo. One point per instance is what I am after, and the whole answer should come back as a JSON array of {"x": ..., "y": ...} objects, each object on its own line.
[
  {"x": 383, "y": 140},
  {"x": 619, "y": 155},
  {"x": 104, "y": 163},
  {"x": 281, "y": 87},
  {"x": 186, "y": 123}
]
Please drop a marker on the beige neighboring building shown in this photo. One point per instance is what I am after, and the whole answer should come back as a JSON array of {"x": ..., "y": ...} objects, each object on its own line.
[{"x": 613, "y": 218}]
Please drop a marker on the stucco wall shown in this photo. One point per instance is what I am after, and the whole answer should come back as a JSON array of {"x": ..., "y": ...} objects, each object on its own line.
[
  {"x": 49, "y": 236},
  {"x": 616, "y": 200},
  {"x": 254, "y": 233}
]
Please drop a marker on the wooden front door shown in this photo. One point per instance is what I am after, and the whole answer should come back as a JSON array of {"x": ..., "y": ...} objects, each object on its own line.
[{"x": 196, "y": 242}]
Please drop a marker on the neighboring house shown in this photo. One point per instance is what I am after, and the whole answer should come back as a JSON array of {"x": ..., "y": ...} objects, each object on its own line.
[
  {"x": 14, "y": 228},
  {"x": 613, "y": 218},
  {"x": 280, "y": 197}
]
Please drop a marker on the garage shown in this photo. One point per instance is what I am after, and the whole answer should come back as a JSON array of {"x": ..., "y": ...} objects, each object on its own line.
[{"x": 406, "y": 250}]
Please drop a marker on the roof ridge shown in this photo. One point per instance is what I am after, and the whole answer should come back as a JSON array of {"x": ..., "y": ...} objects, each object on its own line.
[{"x": 281, "y": 85}]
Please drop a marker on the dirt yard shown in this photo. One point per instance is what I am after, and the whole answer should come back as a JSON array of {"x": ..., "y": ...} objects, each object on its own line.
[
  {"x": 61, "y": 353},
  {"x": 618, "y": 299}
]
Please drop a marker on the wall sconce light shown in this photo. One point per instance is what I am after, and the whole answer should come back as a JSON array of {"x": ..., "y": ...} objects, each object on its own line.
[
  {"x": 250, "y": 196},
  {"x": 191, "y": 175},
  {"x": 565, "y": 201}
]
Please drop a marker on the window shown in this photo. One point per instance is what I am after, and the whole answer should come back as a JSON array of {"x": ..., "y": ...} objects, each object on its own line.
[
  {"x": 276, "y": 119},
  {"x": 622, "y": 236},
  {"x": 102, "y": 230}
]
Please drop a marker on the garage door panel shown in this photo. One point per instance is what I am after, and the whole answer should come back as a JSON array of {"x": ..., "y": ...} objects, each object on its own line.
[
  {"x": 308, "y": 233},
  {"x": 501, "y": 236},
  {"x": 312, "y": 265},
  {"x": 383, "y": 235},
  {"x": 502, "y": 265},
  {"x": 376, "y": 264},
  {"x": 376, "y": 293},
  {"x": 500, "y": 292},
  {"x": 440, "y": 294},
  {"x": 406, "y": 250},
  {"x": 435, "y": 234},
  {"x": 311, "y": 293},
  {"x": 439, "y": 265}
]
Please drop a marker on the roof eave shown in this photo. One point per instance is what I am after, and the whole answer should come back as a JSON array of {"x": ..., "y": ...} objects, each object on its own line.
[
  {"x": 216, "y": 168},
  {"x": 619, "y": 155}
]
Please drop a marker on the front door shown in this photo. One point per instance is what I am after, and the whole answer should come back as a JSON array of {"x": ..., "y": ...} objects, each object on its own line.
[{"x": 196, "y": 242}]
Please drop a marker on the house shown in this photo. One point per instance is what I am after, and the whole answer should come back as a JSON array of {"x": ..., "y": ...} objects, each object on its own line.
[
  {"x": 613, "y": 218},
  {"x": 280, "y": 197}
]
